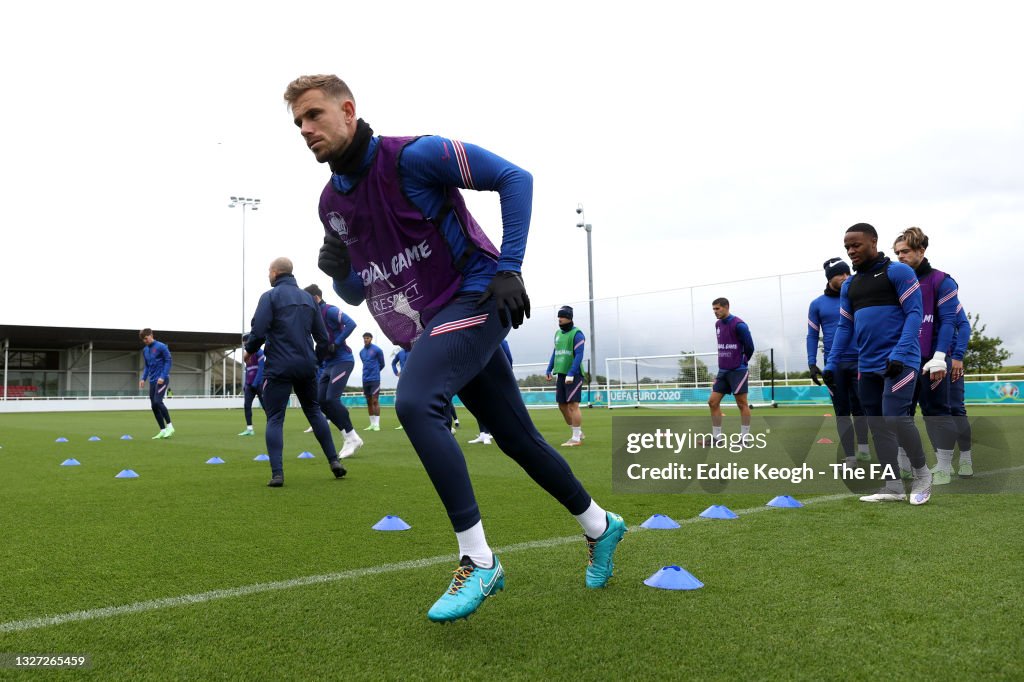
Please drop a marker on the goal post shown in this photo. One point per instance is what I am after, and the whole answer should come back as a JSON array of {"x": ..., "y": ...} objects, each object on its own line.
[{"x": 681, "y": 380}]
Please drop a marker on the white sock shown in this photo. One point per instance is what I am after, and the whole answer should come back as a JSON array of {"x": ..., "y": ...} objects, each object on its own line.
[
  {"x": 577, "y": 431},
  {"x": 903, "y": 460},
  {"x": 594, "y": 521},
  {"x": 945, "y": 459},
  {"x": 473, "y": 543},
  {"x": 965, "y": 457},
  {"x": 375, "y": 420},
  {"x": 716, "y": 431},
  {"x": 863, "y": 447},
  {"x": 744, "y": 429}
]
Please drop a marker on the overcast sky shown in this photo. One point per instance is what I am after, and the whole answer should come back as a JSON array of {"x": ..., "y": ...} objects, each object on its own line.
[{"x": 708, "y": 142}]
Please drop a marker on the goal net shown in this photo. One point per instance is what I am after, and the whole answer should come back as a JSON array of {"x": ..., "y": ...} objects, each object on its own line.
[
  {"x": 533, "y": 384},
  {"x": 682, "y": 380}
]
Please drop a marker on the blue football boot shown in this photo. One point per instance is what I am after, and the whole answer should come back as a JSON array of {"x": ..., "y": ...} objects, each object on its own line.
[
  {"x": 467, "y": 591},
  {"x": 602, "y": 550}
]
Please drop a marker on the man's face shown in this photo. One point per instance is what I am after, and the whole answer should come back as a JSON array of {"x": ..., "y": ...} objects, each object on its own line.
[
  {"x": 860, "y": 247},
  {"x": 562, "y": 321},
  {"x": 147, "y": 339},
  {"x": 721, "y": 311},
  {"x": 272, "y": 275},
  {"x": 836, "y": 283},
  {"x": 911, "y": 257},
  {"x": 326, "y": 124},
  {"x": 367, "y": 340}
]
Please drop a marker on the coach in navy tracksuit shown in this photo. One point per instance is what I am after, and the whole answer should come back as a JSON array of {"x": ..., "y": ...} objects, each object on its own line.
[
  {"x": 288, "y": 321},
  {"x": 880, "y": 315},
  {"x": 822, "y": 320}
]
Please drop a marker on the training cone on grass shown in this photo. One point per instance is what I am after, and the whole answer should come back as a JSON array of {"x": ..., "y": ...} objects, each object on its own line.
[
  {"x": 127, "y": 473},
  {"x": 719, "y": 511},
  {"x": 126, "y": 437},
  {"x": 785, "y": 501},
  {"x": 215, "y": 460},
  {"x": 94, "y": 438},
  {"x": 824, "y": 441},
  {"x": 261, "y": 458},
  {"x": 390, "y": 522},
  {"x": 659, "y": 522},
  {"x": 71, "y": 463},
  {"x": 674, "y": 578},
  {"x": 62, "y": 439},
  {"x": 306, "y": 455}
]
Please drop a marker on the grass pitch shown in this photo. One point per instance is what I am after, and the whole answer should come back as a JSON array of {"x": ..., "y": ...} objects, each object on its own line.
[{"x": 198, "y": 571}]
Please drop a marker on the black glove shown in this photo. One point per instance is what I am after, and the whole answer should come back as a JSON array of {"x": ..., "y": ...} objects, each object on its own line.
[
  {"x": 331, "y": 349},
  {"x": 815, "y": 374},
  {"x": 828, "y": 376},
  {"x": 508, "y": 291},
  {"x": 334, "y": 259},
  {"x": 321, "y": 352},
  {"x": 893, "y": 368}
]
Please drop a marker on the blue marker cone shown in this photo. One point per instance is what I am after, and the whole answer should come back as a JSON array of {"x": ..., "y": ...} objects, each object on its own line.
[
  {"x": 127, "y": 473},
  {"x": 71, "y": 463},
  {"x": 215, "y": 460},
  {"x": 126, "y": 437},
  {"x": 659, "y": 522},
  {"x": 261, "y": 458},
  {"x": 306, "y": 455},
  {"x": 719, "y": 511},
  {"x": 62, "y": 439},
  {"x": 785, "y": 501},
  {"x": 94, "y": 437},
  {"x": 673, "y": 578},
  {"x": 390, "y": 522}
]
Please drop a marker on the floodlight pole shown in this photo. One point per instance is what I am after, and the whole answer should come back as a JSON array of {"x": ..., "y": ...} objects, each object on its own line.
[
  {"x": 592, "y": 341},
  {"x": 244, "y": 202}
]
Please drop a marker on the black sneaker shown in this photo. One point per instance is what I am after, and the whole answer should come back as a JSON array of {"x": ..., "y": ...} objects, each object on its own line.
[
  {"x": 277, "y": 481},
  {"x": 339, "y": 469}
]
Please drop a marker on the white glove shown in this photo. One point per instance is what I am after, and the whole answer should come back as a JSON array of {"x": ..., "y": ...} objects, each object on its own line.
[
  {"x": 568, "y": 378},
  {"x": 936, "y": 364}
]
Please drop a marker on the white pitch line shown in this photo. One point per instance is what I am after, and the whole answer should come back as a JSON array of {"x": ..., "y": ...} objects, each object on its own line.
[{"x": 213, "y": 595}]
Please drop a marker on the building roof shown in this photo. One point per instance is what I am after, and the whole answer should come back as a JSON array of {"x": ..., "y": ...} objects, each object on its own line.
[{"x": 59, "y": 338}]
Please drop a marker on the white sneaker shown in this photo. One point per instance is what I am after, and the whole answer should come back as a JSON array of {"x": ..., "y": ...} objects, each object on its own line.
[
  {"x": 353, "y": 443},
  {"x": 572, "y": 443},
  {"x": 479, "y": 439},
  {"x": 884, "y": 495},
  {"x": 921, "y": 490},
  {"x": 309, "y": 430},
  {"x": 488, "y": 438}
]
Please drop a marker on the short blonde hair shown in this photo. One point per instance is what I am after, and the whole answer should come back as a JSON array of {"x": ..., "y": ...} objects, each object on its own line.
[
  {"x": 915, "y": 238},
  {"x": 331, "y": 85}
]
